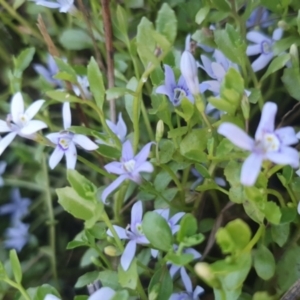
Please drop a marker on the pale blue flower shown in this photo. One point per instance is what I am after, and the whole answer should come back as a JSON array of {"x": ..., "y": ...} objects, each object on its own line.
[
  {"x": 16, "y": 236},
  {"x": 269, "y": 144},
  {"x": 218, "y": 180},
  {"x": 63, "y": 6},
  {"x": 3, "y": 165},
  {"x": 260, "y": 17},
  {"x": 19, "y": 122},
  {"x": 129, "y": 167},
  {"x": 49, "y": 72},
  {"x": 84, "y": 84},
  {"x": 51, "y": 297},
  {"x": 135, "y": 235},
  {"x": 189, "y": 294},
  {"x": 18, "y": 208},
  {"x": 204, "y": 47},
  {"x": 66, "y": 142},
  {"x": 263, "y": 45}
]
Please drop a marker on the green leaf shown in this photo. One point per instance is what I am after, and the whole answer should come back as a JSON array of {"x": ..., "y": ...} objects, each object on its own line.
[
  {"x": 117, "y": 92},
  {"x": 253, "y": 211},
  {"x": 224, "y": 148},
  {"x": 291, "y": 81},
  {"x": 121, "y": 295},
  {"x": 109, "y": 278},
  {"x": 222, "y": 104},
  {"x": 222, "y": 5},
  {"x": 96, "y": 82},
  {"x": 201, "y": 14},
  {"x": 188, "y": 227},
  {"x": 108, "y": 151},
  {"x": 157, "y": 231},
  {"x": 129, "y": 278},
  {"x": 131, "y": 85},
  {"x": 264, "y": 262},
  {"x": 86, "y": 279},
  {"x": 272, "y": 212},
  {"x": 63, "y": 66},
  {"x": 280, "y": 233},
  {"x": 193, "y": 240},
  {"x": 187, "y": 109},
  {"x": 166, "y": 151},
  {"x": 75, "y": 39},
  {"x": 180, "y": 259},
  {"x": 63, "y": 97},
  {"x": 276, "y": 64},
  {"x": 161, "y": 285},
  {"x": 15, "y": 265},
  {"x": 23, "y": 61},
  {"x": 288, "y": 214},
  {"x": 166, "y": 22}
]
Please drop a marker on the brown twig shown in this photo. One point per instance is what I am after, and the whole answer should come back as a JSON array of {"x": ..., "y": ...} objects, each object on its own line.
[
  {"x": 109, "y": 54},
  {"x": 90, "y": 30}
]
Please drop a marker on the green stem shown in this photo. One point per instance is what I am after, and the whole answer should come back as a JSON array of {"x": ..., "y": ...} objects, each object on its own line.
[
  {"x": 119, "y": 202},
  {"x": 18, "y": 287},
  {"x": 255, "y": 239},
  {"x": 292, "y": 195},
  {"x": 51, "y": 221},
  {"x": 23, "y": 184},
  {"x": 146, "y": 121},
  {"x": 104, "y": 258},
  {"x": 277, "y": 195},
  {"x": 140, "y": 290},
  {"x": 274, "y": 170}
]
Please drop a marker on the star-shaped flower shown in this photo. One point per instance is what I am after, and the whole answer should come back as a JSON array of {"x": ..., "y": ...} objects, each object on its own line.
[
  {"x": 16, "y": 236},
  {"x": 129, "y": 167},
  {"x": 84, "y": 84},
  {"x": 66, "y": 142},
  {"x": 263, "y": 45},
  {"x": 19, "y": 122},
  {"x": 135, "y": 235},
  {"x": 269, "y": 144},
  {"x": 176, "y": 91},
  {"x": 64, "y": 6}
]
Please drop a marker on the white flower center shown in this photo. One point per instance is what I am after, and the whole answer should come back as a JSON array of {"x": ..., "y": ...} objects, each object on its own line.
[
  {"x": 129, "y": 165},
  {"x": 270, "y": 142},
  {"x": 266, "y": 47},
  {"x": 179, "y": 94},
  {"x": 139, "y": 229},
  {"x": 64, "y": 143},
  {"x": 23, "y": 119}
]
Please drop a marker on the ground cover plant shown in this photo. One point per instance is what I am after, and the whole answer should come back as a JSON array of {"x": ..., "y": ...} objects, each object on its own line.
[{"x": 149, "y": 149}]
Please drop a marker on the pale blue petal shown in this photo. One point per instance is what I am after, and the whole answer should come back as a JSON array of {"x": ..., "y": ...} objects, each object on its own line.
[
  {"x": 218, "y": 71},
  {"x": 186, "y": 280},
  {"x": 121, "y": 128},
  {"x": 32, "y": 127},
  {"x": 192, "y": 251},
  {"x": 142, "y": 156},
  {"x": 136, "y": 214},
  {"x": 257, "y": 37},
  {"x": 162, "y": 89},
  {"x": 7, "y": 209},
  {"x": 176, "y": 218},
  {"x": 4, "y": 126},
  {"x": 207, "y": 66},
  {"x": 17, "y": 107},
  {"x": 114, "y": 185},
  {"x": 198, "y": 290},
  {"x": 251, "y": 168},
  {"x": 173, "y": 270},
  {"x": 66, "y": 113},
  {"x": 3, "y": 165},
  {"x": 164, "y": 212},
  {"x": 115, "y": 167},
  {"x": 261, "y": 61},
  {"x": 71, "y": 156},
  {"x": 287, "y": 135},
  {"x": 267, "y": 120},
  {"x": 32, "y": 110},
  {"x": 286, "y": 156},
  {"x": 53, "y": 137},
  {"x": 277, "y": 34},
  {"x": 48, "y": 4},
  {"x": 253, "y": 49},
  {"x": 105, "y": 293},
  {"x": 41, "y": 70},
  {"x": 84, "y": 142},
  {"x": 121, "y": 232},
  {"x": 170, "y": 82},
  {"x": 146, "y": 167},
  {"x": 236, "y": 135},
  {"x": 154, "y": 253},
  {"x": 127, "y": 151},
  {"x": 51, "y": 297},
  {"x": 213, "y": 86},
  {"x": 203, "y": 87},
  {"x": 55, "y": 157},
  {"x": 4, "y": 142},
  {"x": 128, "y": 254}
]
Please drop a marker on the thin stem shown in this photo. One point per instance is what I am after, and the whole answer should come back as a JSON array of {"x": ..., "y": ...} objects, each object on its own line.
[
  {"x": 140, "y": 290},
  {"x": 277, "y": 195},
  {"x": 104, "y": 258},
  {"x": 23, "y": 184},
  {"x": 292, "y": 195},
  {"x": 274, "y": 170},
  {"x": 51, "y": 221},
  {"x": 255, "y": 238},
  {"x": 147, "y": 122},
  {"x": 119, "y": 202},
  {"x": 18, "y": 287}
]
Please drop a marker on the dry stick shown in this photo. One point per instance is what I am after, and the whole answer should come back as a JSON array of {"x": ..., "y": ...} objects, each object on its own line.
[
  {"x": 90, "y": 30},
  {"x": 109, "y": 54}
]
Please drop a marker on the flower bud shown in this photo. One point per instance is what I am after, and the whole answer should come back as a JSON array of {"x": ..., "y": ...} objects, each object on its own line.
[
  {"x": 159, "y": 130},
  {"x": 245, "y": 107},
  {"x": 111, "y": 251},
  {"x": 204, "y": 271}
]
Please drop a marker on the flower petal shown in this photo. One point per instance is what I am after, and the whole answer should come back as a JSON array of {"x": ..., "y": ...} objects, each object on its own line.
[
  {"x": 3, "y": 165},
  {"x": 198, "y": 290},
  {"x": 32, "y": 109},
  {"x": 66, "y": 112},
  {"x": 121, "y": 128},
  {"x": 186, "y": 280},
  {"x": 257, "y": 37},
  {"x": 218, "y": 70},
  {"x": 261, "y": 61},
  {"x": 71, "y": 156},
  {"x": 267, "y": 120},
  {"x": 4, "y": 126},
  {"x": 142, "y": 156},
  {"x": 213, "y": 86},
  {"x": 41, "y": 70},
  {"x": 115, "y": 167},
  {"x": 251, "y": 168},
  {"x": 16, "y": 107},
  {"x": 48, "y": 4},
  {"x": 154, "y": 253},
  {"x": 277, "y": 34},
  {"x": 192, "y": 251},
  {"x": 298, "y": 208},
  {"x": 105, "y": 293},
  {"x": 170, "y": 82},
  {"x": 84, "y": 142},
  {"x": 162, "y": 89},
  {"x": 114, "y": 185},
  {"x": 55, "y": 157},
  {"x": 128, "y": 254},
  {"x": 127, "y": 151},
  {"x": 53, "y": 137},
  {"x": 32, "y": 127},
  {"x": 121, "y": 232},
  {"x": 173, "y": 220},
  {"x": 207, "y": 66},
  {"x": 253, "y": 49},
  {"x": 236, "y": 135},
  {"x": 6, "y": 141},
  {"x": 286, "y": 156},
  {"x": 287, "y": 135},
  {"x": 173, "y": 270},
  {"x": 51, "y": 297},
  {"x": 164, "y": 212},
  {"x": 146, "y": 167},
  {"x": 136, "y": 214}
]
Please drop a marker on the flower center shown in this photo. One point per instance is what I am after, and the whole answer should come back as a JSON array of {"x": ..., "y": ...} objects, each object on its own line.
[
  {"x": 179, "y": 94},
  {"x": 64, "y": 143},
  {"x": 139, "y": 229},
  {"x": 266, "y": 47},
  {"x": 129, "y": 165},
  {"x": 23, "y": 119},
  {"x": 270, "y": 142}
]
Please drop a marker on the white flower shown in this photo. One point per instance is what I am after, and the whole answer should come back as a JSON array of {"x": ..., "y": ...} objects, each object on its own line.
[
  {"x": 16, "y": 236},
  {"x": 188, "y": 68},
  {"x": 65, "y": 142},
  {"x": 20, "y": 122},
  {"x": 83, "y": 82},
  {"x": 64, "y": 6}
]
